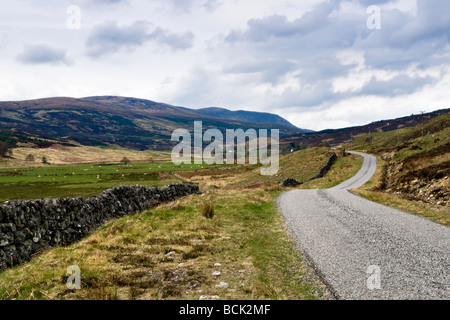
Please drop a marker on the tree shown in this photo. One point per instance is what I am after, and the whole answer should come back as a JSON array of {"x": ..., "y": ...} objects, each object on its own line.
[
  {"x": 44, "y": 160},
  {"x": 125, "y": 160},
  {"x": 29, "y": 158},
  {"x": 3, "y": 149}
]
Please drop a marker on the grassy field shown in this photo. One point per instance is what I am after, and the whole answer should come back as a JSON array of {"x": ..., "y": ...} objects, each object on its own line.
[
  {"x": 172, "y": 251},
  {"x": 61, "y": 155},
  {"x": 84, "y": 180}
]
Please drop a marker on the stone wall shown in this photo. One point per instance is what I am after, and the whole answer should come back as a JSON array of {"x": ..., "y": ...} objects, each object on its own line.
[
  {"x": 30, "y": 226},
  {"x": 292, "y": 183}
]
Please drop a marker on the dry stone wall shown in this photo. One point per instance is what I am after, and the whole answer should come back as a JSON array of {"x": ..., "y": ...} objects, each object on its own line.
[
  {"x": 292, "y": 183},
  {"x": 30, "y": 226}
]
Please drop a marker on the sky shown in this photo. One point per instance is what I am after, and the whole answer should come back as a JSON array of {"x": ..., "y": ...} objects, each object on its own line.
[{"x": 318, "y": 63}]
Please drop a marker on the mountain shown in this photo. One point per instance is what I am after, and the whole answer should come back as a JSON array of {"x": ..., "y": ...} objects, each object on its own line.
[
  {"x": 336, "y": 137},
  {"x": 248, "y": 116},
  {"x": 111, "y": 120}
]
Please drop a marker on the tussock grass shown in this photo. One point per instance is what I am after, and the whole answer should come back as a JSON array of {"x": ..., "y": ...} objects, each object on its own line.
[{"x": 208, "y": 209}]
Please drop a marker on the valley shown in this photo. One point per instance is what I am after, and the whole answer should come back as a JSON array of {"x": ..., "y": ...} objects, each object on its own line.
[{"x": 230, "y": 242}]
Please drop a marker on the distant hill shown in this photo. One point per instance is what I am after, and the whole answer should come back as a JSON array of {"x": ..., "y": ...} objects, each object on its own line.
[
  {"x": 336, "y": 137},
  {"x": 110, "y": 120},
  {"x": 248, "y": 116}
]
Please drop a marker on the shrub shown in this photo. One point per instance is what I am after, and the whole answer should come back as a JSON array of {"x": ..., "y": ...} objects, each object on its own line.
[
  {"x": 208, "y": 209},
  {"x": 29, "y": 158},
  {"x": 3, "y": 149}
]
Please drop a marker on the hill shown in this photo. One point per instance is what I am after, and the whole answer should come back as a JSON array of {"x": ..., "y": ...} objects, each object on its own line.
[
  {"x": 108, "y": 120},
  {"x": 249, "y": 116},
  {"x": 414, "y": 164},
  {"x": 337, "y": 137}
]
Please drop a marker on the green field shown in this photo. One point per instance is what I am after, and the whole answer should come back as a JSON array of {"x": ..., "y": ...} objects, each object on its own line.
[{"x": 84, "y": 180}]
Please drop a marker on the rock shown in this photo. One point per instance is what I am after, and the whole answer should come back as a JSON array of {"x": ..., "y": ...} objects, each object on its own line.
[
  {"x": 208, "y": 297},
  {"x": 223, "y": 285},
  {"x": 290, "y": 183},
  {"x": 216, "y": 273}
]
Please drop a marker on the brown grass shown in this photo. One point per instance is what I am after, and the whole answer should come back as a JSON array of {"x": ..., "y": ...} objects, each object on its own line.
[
  {"x": 171, "y": 252},
  {"x": 60, "y": 155},
  {"x": 373, "y": 190}
]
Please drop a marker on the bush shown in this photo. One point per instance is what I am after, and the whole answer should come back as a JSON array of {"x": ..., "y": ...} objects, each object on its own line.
[
  {"x": 3, "y": 149},
  {"x": 125, "y": 160},
  {"x": 208, "y": 209},
  {"x": 29, "y": 158}
]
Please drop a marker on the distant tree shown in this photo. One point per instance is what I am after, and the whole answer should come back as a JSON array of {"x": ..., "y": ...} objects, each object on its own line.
[
  {"x": 29, "y": 158},
  {"x": 44, "y": 160},
  {"x": 125, "y": 160},
  {"x": 3, "y": 149}
]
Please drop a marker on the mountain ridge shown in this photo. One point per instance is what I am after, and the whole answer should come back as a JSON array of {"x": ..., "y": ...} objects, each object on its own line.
[
  {"x": 112, "y": 120},
  {"x": 337, "y": 137}
]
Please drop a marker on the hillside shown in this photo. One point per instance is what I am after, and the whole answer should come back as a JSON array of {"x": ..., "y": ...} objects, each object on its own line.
[
  {"x": 249, "y": 116},
  {"x": 104, "y": 121},
  {"x": 414, "y": 162},
  {"x": 336, "y": 137}
]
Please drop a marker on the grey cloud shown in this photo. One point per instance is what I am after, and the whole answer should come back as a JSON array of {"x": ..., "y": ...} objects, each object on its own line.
[
  {"x": 314, "y": 39},
  {"x": 399, "y": 85},
  {"x": 278, "y": 26},
  {"x": 186, "y": 6},
  {"x": 173, "y": 40},
  {"x": 374, "y": 2},
  {"x": 109, "y": 1},
  {"x": 43, "y": 54},
  {"x": 432, "y": 22},
  {"x": 270, "y": 71},
  {"x": 109, "y": 38},
  {"x": 101, "y": 3}
]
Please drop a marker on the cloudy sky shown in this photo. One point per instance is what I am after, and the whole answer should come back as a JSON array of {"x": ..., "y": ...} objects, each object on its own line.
[{"x": 318, "y": 63}]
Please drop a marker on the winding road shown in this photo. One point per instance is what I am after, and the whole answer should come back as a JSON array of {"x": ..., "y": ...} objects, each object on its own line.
[{"x": 364, "y": 250}]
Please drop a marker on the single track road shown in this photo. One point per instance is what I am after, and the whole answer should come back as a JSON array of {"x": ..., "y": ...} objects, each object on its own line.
[{"x": 365, "y": 250}]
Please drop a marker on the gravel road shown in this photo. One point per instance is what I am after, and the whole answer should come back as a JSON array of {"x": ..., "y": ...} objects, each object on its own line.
[{"x": 364, "y": 250}]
